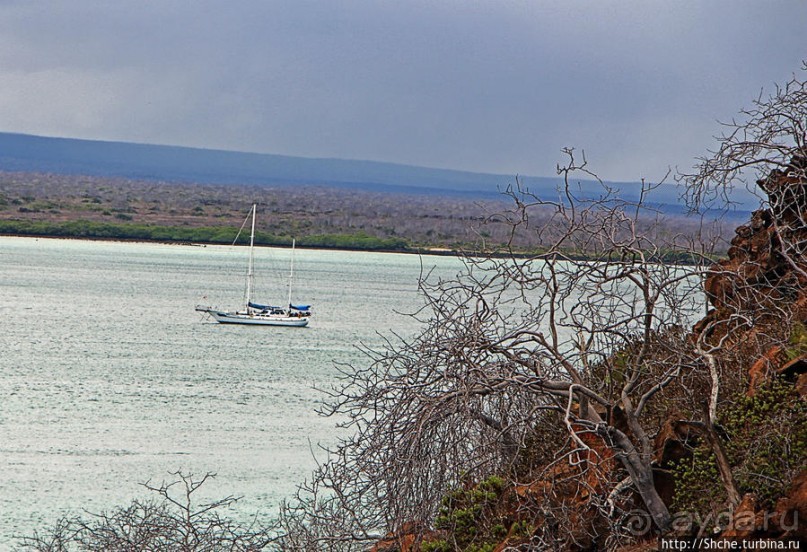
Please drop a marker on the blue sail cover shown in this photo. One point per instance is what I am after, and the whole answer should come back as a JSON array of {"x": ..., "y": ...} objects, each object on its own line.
[
  {"x": 300, "y": 307},
  {"x": 262, "y": 307}
]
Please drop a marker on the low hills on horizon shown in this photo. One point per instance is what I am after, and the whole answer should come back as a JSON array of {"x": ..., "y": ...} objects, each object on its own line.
[
  {"x": 86, "y": 188},
  {"x": 30, "y": 153}
]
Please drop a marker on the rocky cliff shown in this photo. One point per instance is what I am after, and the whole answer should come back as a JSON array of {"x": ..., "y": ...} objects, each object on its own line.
[{"x": 757, "y": 326}]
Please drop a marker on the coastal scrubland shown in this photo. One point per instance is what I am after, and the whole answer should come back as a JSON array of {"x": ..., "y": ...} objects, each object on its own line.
[{"x": 62, "y": 205}]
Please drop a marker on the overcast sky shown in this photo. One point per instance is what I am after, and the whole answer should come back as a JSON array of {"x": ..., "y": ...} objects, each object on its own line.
[{"x": 481, "y": 85}]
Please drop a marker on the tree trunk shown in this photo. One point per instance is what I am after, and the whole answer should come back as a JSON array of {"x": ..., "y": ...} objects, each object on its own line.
[
  {"x": 723, "y": 467},
  {"x": 641, "y": 472}
]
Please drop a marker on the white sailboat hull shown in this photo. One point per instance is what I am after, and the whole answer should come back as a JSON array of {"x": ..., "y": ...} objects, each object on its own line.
[
  {"x": 295, "y": 316},
  {"x": 255, "y": 319}
]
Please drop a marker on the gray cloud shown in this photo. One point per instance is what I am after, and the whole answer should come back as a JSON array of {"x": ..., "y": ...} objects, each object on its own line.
[{"x": 485, "y": 86}]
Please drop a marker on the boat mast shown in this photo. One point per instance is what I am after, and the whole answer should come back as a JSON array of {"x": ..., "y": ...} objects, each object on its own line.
[
  {"x": 291, "y": 269},
  {"x": 250, "y": 266}
]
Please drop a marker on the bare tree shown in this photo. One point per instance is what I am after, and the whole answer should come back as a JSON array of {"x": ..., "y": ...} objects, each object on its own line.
[
  {"x": 175, "y": 522},
  {"x": 584, "y": 336},
  {"x": 754, "y": 292},
  {"x": 763, "y": 140}
]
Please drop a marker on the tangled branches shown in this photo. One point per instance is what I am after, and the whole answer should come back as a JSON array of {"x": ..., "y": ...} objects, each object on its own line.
[{"x": 174, "y": 522}]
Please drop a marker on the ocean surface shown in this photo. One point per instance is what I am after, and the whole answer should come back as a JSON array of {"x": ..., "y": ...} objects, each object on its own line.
[{"x": 109, "y": 378}]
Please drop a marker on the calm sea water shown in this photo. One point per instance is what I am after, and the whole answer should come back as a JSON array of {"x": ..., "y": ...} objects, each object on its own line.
[{"x": 109, "y": 378}]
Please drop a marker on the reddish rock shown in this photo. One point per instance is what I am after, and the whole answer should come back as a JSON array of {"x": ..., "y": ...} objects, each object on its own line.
[
  {"x": 749, "y": 262},
  {"x": 746, "y": 519},
  {"x": 763, "y": 367},
  {"x": 765, "y": 277},
  {"x": 790, "y": 515},
  {"x": 796, "y": 367},
  {"x": 408, "y": 539}
]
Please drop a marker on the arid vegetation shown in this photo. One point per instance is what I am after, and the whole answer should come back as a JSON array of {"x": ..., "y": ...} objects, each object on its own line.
[
  {"x": 173, "y": 520},
  {"x": 95, "y": 207},
  {"x": 34, "y": 203},
  {"x": 590, "y": 396},
  {"x": 552, "y": 403}
]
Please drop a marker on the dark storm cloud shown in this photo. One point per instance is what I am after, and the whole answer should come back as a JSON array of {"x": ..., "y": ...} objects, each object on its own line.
[{"x": 488, "y": 86}]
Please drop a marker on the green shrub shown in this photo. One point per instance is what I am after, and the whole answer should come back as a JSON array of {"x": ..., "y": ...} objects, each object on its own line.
[
  {"x": 204, "y": 234},
  {"x": 766, "y": 444},
  {"x": 473, "y": 517},
  {"x": 440, "y": 545},
  {"x": 797, "y": 341},
  {"x": 767, "y": 438},
  {"x": 697, "y": 487}
]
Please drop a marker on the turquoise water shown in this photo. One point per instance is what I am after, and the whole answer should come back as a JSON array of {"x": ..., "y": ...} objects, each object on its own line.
[{"x": 109, "y": 378}]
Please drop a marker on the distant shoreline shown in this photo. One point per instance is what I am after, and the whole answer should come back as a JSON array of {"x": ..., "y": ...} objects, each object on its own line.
[
  {"x": 431, "y": 250},
  {"x": 436, "y": 251}
]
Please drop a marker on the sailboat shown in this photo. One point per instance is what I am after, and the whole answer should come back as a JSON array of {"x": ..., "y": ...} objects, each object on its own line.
[{"x": 258, "y": 314}]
